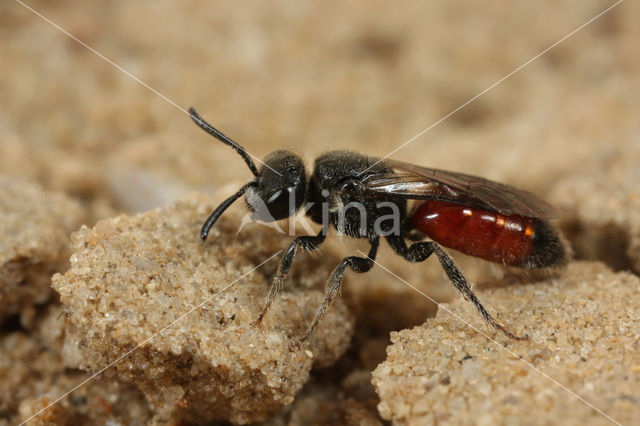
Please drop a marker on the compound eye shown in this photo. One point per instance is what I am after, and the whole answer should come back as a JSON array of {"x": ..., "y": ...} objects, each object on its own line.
[{"x": 281, "y": 203}]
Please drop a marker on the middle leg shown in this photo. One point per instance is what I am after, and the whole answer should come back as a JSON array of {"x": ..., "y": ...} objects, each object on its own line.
[{"x": 357, "y": 264}]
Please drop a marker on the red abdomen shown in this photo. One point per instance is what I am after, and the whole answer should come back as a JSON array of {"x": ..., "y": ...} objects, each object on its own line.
[{"x": 507, "y": 239}]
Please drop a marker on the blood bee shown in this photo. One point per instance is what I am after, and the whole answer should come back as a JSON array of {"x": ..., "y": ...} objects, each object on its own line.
[{"x": 476, "y": 216}]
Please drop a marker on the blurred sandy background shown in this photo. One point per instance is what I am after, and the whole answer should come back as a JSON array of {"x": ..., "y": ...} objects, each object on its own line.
[{"x": 310, "y": 77}]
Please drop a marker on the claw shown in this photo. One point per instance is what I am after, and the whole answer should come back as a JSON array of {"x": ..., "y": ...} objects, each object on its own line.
[{"x": 509, "y": 334}]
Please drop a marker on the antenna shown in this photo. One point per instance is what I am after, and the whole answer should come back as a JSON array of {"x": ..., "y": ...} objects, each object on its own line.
[
  {"x": 224, "y": 139},
  {"x": 221, "y": 208}
]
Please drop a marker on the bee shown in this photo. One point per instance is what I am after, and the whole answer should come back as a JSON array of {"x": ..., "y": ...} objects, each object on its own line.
[{"x": 470, "y": 214}]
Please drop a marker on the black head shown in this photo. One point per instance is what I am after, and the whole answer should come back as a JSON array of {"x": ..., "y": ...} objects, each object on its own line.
[{"x": 280, "y": 187}]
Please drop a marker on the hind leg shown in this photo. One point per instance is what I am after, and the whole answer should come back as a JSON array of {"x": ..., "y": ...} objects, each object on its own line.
[{"x": 418, "y": 252}]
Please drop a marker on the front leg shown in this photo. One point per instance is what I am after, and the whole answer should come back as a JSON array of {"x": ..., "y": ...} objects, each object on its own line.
[
  {"x": 309, "y": 243},
  {"x": 357, "y": 264}
]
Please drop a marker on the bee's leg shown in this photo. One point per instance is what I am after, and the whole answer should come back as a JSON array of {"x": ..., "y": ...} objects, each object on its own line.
[
  {"x": 308, "y": 243},
  {"x": 418, "y": 252},
  {"x": 357, "y": 264}
]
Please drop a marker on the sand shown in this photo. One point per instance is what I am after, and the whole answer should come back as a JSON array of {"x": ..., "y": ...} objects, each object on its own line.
[{"x": 83, "y": 144}]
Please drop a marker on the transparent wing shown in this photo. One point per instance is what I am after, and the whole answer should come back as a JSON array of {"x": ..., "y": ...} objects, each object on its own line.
[{"x": 421, "y": 183}]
